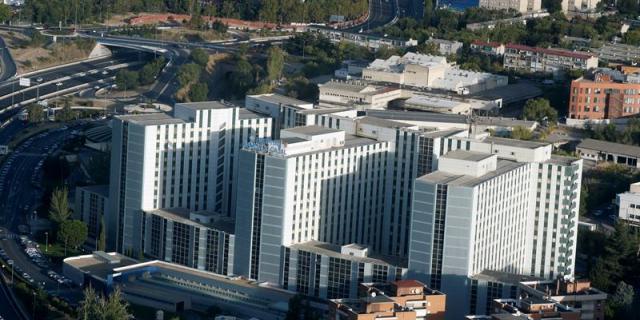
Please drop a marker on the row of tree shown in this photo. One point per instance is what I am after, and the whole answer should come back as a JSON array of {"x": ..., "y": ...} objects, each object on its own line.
[
  {"x": 130, "y": 80},
  {"x": 278, "y": 11}
]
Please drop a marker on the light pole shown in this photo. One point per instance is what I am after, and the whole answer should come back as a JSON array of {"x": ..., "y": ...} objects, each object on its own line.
[
  {"x": 46, "y": 241},
  {"x": 11, "y": 264},
  {"x": 39, "y": 80}
]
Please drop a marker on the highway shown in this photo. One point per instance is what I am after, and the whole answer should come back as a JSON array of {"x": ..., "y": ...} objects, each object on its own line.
[
  {"x": 381, "y": 13},
  {"x": 7, "y": 65}
]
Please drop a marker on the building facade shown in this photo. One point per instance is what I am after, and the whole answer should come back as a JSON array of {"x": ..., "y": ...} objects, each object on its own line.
[
  {"x": 606, "y": 94},
  {"x": 579, "y": 295},
  {"x": 199, "y": 240},
  {"x": 521, "y": 6},
  {"x": 91, "y": 207},
  {"x": 533, "y": 59},
  {"x": 629, "y": 205},
  {"x": 187, "y": 160}
]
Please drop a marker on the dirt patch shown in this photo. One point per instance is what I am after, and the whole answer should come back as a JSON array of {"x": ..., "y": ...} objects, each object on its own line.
[{"x": 29, "y": 58}]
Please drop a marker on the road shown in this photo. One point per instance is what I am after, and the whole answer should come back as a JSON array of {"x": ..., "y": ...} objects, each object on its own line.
[
  {"x": 98, "y": 72},
  {"x": 8, "y": 310},
  {"x": 381, "y": 12},
  {"x": 18, "y": 198},
  {"x": 7, "y": 65}
]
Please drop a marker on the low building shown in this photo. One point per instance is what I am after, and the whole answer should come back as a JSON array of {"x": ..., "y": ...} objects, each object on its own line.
[
  {"x": 520, "y": 20},
  {"x": 359, "y": 94},
  {"x": 98, "y": 138},
  {"x": 533, "y": 59},
  {"x": 604, "y": 151},
  {"x": 201, "y": 240},
  {"x": 329, "y": 271},
  {"x": 426, "y": 71},
  {"x": 490, "y": 48},
  {"x": 579, "y": 6},
  {"x": 362, "y": 39},
  {"x": 437, "y": 104},
  {"x": 287, "y": 112},
  {"x": 351, "y": 69},
  {"x": 175, "y": 288},
  {"x": 91, "y": 205},
  {"x": 629, "y": 205},
  {"x": 618, "y": 52},
  {"x": 578, "y": 295},
  {"x": 605, "y": 94},
  {"x": 530, "y": 308},
  {"x": 521, "y": 6},
  {"x": 446, "y": 47},
  {"x": 405, "y": 299}
]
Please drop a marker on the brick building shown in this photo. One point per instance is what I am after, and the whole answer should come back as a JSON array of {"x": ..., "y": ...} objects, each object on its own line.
[{"x": 605, "y": 94}]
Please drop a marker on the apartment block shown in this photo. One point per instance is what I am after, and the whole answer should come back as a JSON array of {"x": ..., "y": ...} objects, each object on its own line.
[
  {"x": 445, "y": 47},
  {"x": 521, "y": 6},
  {"x": 533, "y": 59},
  {"x": 403, "y": 299},
  {"x": 200, "y": 240},
  {"x": 287, "y": 112},
  {"x": 459, "y": 213},
  {"x": 330, "y": 271},
  {"x": 629, "y": 205},
  {"x": 426, "y": 71},
  {"x": 577, "y": 294},
  {"x": 188, "y": 160},
  {"x": 490, "y": 48},
  {"x": 359, "y": 94},
  {"x": 91, "y": 207},
  {"x": 529, "y": 308},
  {"x": 605, "y": 94}
]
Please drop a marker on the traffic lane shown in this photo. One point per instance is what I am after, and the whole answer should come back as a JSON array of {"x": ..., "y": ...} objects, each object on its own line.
[
  {"x": 32, "y": 92},
  {"x": 7, "y": 309},
  {"x": 7, "y": 133},
  {"x": 16, "y": 253},
  {"x": 62, "y": 71},
  {"x": 8, "y": 65}
]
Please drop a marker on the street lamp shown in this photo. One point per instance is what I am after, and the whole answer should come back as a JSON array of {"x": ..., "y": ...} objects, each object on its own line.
[
  {"x": 46, "y": 241},
  {"x": 39, "y": 80}
]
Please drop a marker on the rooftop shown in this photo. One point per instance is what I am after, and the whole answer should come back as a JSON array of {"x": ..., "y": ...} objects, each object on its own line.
[
  {"x": 550, "y": 51},
  {"x": 181, "y": 215},
  {"x": 206, "y": 105},
  {"x": 610, "y": 147},
  {"x": 102, "y": 189},
  {"x": 358, "y": 87},
  {"x": 440, "y": 177},
  {"x": 503, "y": 277},
  {"x": 150, "y": 119},
  {"x": 96, "y": 264},
  {"x": 515, "y": 143},
  {"x": 312, "y": 130},
  {"x": 467, "y": 155},
  {"x": 332, "y": 250},
  {"x": 383, "y": 122},
  {"x": 280, "y": 99}
]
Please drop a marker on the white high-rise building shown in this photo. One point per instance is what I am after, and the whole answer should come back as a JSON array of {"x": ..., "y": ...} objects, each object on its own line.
[
  {"x": 495, "y": 204},
  {"x": 187, "y": 160}
]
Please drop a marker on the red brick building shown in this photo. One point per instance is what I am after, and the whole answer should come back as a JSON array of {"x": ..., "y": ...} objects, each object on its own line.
[{"x": 606, "y": 94}]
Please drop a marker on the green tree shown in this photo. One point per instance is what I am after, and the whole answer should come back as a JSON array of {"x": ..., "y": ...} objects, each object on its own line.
[
  {"x": 620, "y": 304},
  {"x": 198, "y": 92},
  {"x": 97, "y": 307},
  {"x": 127, "y": 80},
  {"x": 72, "y": 233},
  {"x": 147, "y": 74},
  {"x": 35, "y": 113},
  {"x": 59, "y": 208},
  {"x": 5, "y": 12},
  {"x": 242, "y": 77},
  {"x": 632, "y": 37},
  {"x": 275, "y": 63},
  {"x": 428, "y": 13},
  {"x": 200, "y": 56},
  {"x": 521, "y": 133},
  {"x": 552, "y": 6},
  {"x": 188, "y": 73},
  {"x": 65, "y": 114},
  {"x": 540, "y": 110},
  {"x": 102, "y": 237}
]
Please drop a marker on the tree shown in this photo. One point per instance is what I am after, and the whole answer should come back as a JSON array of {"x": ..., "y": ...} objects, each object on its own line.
[
  {"x": 540, "y": 110},
  {"x": 127, "y": 80},
  {"x": 59, "y": 208},
  {"x": 200, "y": 57},
  {"x": 35, "y": 113},
  {"x": 199, "y": 92},
  {"x": 102, "y": 237},
  {"x": 521, "y": 133},
  {"x": 147, "y": 74},
  {"x": 188, "y": 73},
  {"x": 552, "y": 6},
  {"x": 65, "y": 114},
  {"x": 242, "y": 77},
  {"x": 619, "y": 306},
  {"x": 5, "y": 12},
  {"x": 275, "y": 63},
  {"x": 428, "y": 13},
  {"x": 97, "y": 307},
  {"x": 72, "y": 233}
]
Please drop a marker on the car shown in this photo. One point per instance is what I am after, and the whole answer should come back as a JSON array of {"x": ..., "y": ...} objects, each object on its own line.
[{"x": 597, "y": 213}]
